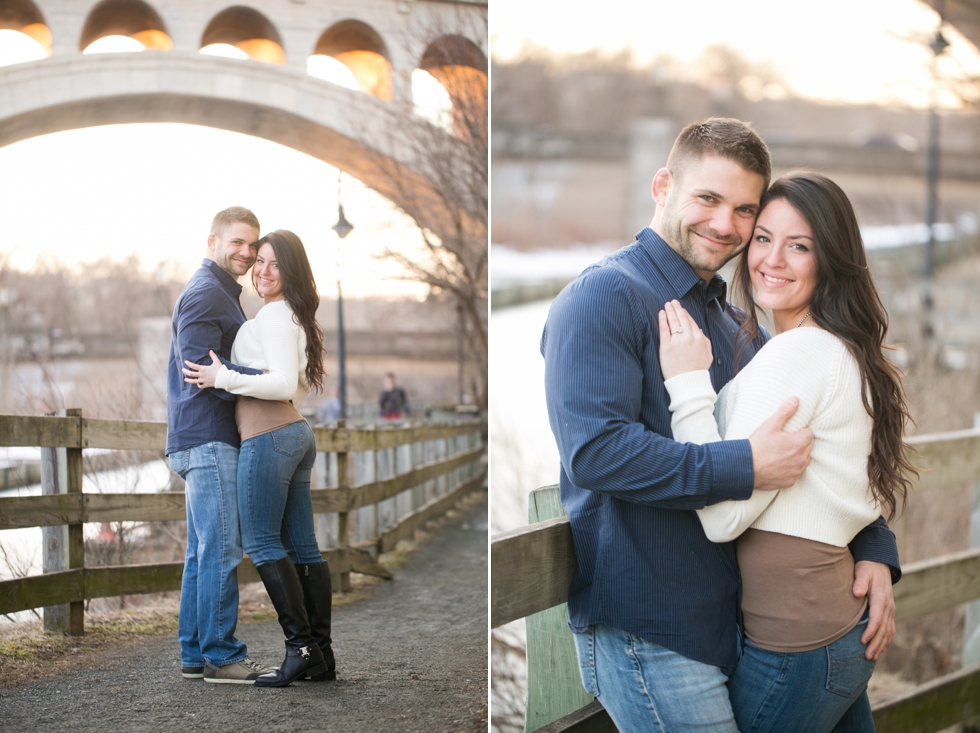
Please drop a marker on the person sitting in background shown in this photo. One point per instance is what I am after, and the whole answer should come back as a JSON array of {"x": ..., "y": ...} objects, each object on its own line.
[
  {"x": 329, "y": 409},
  {"x": 392, "y": 404}
]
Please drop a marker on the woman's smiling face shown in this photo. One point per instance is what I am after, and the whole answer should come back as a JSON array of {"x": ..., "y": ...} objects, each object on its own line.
[
  {"x": 782, "y": 263},
  {"x": 268, "y": 282}
]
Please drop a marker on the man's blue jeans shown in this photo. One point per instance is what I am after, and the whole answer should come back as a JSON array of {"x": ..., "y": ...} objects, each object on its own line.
[
  {"x": 645, "y": 687},
  {"x": 819, "y": 691},
  {"x": 209, "y": 588},
  {"x": 274, "y": 473}
]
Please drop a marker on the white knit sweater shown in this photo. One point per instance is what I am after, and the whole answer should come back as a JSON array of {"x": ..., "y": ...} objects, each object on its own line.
[
  {"x": 832, "y": 500},
  {"x": 272, "y": 341}
]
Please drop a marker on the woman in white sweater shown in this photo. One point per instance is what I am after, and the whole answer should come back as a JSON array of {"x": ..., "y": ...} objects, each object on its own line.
[
  {"x": 278, "y": 451},
  {"x": 803, "y": 665}
]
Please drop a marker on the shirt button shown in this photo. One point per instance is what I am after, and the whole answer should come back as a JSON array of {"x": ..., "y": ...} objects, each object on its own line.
[{"x": 719, "y": 362}]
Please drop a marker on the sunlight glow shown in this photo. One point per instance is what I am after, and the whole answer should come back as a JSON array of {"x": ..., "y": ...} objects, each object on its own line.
[
  {"x": 330, "y": 69},
  {"x": 225, "y": 50},
  {"x": 115, "y": 44},
  {"x": 104, "y": 194},
  {"x": 431, "y": 99},
  {"x": 883, "y": 58},
  {"x": 17, "y": 47}
]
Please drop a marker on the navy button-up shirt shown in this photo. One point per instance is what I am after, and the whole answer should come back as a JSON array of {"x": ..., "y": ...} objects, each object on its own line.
[
  {"x": 207, "y": 316},
  {"x": 644, "y": 563}
]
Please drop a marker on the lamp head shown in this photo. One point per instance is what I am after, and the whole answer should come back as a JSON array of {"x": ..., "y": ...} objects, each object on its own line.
[{"x": 342, "y": 227}]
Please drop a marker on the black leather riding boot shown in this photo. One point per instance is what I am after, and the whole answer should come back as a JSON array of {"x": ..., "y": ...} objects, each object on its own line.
[
  {"x": 318, "y": 594},
  {"x": 303, "y": 655}
]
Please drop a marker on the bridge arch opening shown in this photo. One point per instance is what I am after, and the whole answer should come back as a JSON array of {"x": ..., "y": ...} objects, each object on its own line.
[
  {"x": 23, "y": 16},
  {"x": 460, "y": 68},
  {"x": 246, "y": 29},
  {"x": 133, "y": 19},
  {"x": 361, "y": 49}
]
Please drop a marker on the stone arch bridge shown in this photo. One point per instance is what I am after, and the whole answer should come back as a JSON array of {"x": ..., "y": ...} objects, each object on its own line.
[{"x": 366, "y": 133}]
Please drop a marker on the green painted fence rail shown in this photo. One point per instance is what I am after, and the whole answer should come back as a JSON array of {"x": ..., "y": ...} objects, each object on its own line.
[
  {"x": 532, "y": 568},
  {"x": 456, "y": 466}
]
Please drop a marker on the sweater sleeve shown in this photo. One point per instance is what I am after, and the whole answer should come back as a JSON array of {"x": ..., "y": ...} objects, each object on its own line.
[
  {"x": 784, "y": 368},
  {"x": 692, "y": 420},
  {"x": 278, "y": 335}
]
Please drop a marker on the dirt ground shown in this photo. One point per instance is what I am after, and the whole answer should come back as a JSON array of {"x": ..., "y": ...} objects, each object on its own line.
[{"x": 411, "y": 658}]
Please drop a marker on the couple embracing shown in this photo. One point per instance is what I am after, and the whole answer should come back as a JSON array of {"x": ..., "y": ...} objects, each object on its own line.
[
  {"x": 726, "y": 488},
  {"x": 246, "y": 454}
]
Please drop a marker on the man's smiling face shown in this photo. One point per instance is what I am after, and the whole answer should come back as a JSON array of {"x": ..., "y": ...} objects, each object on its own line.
[
  {"x": 230, "y": 247},
  {"x": 706, "y": 211}
]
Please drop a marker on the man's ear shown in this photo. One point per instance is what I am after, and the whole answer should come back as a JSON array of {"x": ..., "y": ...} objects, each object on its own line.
[
  {"x": 662, "y": 182},
  {"x": 212, "y": 240}
]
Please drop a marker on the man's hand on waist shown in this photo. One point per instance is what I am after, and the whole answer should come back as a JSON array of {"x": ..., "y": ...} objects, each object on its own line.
[{"x": 778, "y": 457}]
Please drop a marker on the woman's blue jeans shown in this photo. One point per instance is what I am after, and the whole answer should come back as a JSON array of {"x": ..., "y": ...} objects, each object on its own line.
[
  {"x": 274, "y": 504},
  {"x": 819, "y": 691}
]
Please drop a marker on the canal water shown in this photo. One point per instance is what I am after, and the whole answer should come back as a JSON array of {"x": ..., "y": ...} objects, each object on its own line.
[
  {"x": 523, "y": 455},
  {"x": 20, "y": 549}
]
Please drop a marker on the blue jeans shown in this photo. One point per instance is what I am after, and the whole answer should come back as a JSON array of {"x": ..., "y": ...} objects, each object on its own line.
[
  {"x": 646, "y": 687},
  {"x": 819, "y": 691},
  {"x": 274, "y": 503},
  {"x": 209, "y": 588}
]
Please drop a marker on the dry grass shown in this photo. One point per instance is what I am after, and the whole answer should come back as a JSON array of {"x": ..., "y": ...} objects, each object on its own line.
[{"x": 28, "y": 652}]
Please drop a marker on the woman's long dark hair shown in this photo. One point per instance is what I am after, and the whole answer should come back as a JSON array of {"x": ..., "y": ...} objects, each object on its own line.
[
  {"x": 845, "y": 302},
  {"x": 299, "y": 290}
]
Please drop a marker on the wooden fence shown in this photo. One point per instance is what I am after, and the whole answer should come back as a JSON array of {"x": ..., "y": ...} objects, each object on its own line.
[
  {"x": 376, "y": 486},
  {"x": 532, "y": 567}
]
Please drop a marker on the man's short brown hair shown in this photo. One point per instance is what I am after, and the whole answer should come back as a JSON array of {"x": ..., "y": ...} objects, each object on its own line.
[
  {"x": 726, "y": 138},
  {"x": 233, "y": 215}
]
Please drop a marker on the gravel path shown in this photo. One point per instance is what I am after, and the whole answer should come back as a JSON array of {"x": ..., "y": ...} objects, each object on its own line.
[{"x": 412, "y": 658}]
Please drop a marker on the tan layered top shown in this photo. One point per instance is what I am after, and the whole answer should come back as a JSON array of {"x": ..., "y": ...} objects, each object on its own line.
[{"x": 274, "y": 342}]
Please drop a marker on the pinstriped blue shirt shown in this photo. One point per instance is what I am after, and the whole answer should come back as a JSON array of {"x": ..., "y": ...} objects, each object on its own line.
[
  {"x": 206, "y": 317},
  {"x": 644, "y": 563}
]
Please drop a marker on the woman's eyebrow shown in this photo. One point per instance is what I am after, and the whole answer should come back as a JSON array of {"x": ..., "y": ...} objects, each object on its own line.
[{"x": 791, "y": 236}]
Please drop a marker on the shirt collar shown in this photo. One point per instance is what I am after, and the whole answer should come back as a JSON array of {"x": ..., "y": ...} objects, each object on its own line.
[
  {"x": 227, "y": 281},
  {"x": 676, "y": 270}
]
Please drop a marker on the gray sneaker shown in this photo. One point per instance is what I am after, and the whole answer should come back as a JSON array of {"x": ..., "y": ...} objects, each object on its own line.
[{"x": 243, "y": 672}]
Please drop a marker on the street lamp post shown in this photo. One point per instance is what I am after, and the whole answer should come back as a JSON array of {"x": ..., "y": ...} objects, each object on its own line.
[
  {"x": 937, "y": 46},
  {"x": 343, "y": 228},
  {"x": 460, "y": 326}
]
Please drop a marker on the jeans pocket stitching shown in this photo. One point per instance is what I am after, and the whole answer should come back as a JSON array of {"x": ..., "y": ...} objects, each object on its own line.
[
  {"x": 180, "y": 462},
  {"x": 595, "y": 677},
  {"x": 842, "y": 672},
  {"x": 287, "y": 445}
]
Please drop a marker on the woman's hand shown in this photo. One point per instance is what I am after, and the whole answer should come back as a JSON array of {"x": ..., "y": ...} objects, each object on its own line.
[
  {"x": 683, "y": 346},
  {"x": 202, "y": 376}
]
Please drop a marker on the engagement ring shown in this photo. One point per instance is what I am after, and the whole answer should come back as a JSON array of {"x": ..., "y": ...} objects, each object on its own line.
[{"x": 678, "y": 330}]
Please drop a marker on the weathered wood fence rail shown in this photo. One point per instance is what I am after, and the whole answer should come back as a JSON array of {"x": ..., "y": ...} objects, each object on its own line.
[
  {"x": 374, "y": 487},
  {"x": 532, "y": 567}
]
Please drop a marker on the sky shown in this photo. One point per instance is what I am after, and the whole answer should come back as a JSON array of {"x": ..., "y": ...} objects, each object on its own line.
[
  {"x": 841, "y": 50},
  {"x": 153, "y": 189}
]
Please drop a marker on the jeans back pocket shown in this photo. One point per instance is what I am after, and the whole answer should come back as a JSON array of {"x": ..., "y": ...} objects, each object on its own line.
[
  {"x": 288, "y": 445},
  {"x": 585, "y": 646},
  {"x": 848, "y": 671},
  {"x": 180, "y": 462}
]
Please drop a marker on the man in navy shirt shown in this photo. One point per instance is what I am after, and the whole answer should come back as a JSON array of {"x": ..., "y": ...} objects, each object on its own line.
[
  {"x": 654, "y": 605},
  {"x": 202, "y": 445}
]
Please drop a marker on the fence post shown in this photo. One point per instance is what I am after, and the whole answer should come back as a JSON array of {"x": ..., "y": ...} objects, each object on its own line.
[
  {"x": 971, "y": 630},
  {"x": 54, "y": 480},
  {"x": 343, "y": 518},
  {"x": 76, "y": 541},
  {"x": 64, "y": 547},
  {"x": 554, "y": 683}
]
